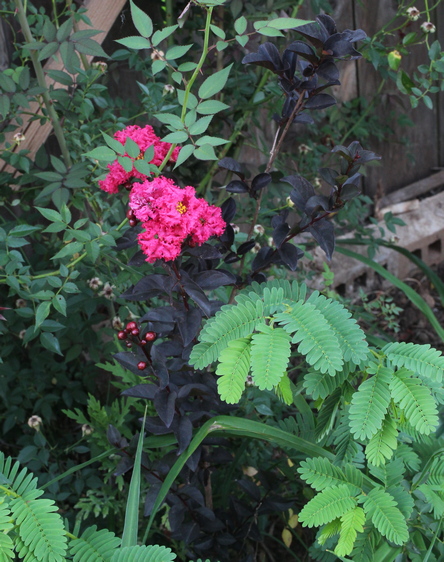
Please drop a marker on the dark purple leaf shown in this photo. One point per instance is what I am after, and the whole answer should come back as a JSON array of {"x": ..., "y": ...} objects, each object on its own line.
[
  {"x": 232, "y": 165},
  {"x": 176, "y": 516},
  {"x": 303, "y": 50},
  {"x": 301, "y": 192},
  {"x": 303, "y": 118},
  {"x": 340, "y": 47},
  {"x": 231, "y": 258},
  {"x": 204, "y": 252},
  {"x": 259, "y": 278},
  {"x": 225, "y": 539},
  {"x": 125, "y": 464},
  {"x": 267, "y": 56},
  {"x": 349, "y": 192},
  {"x": 192, "y": 493},
  {"x": 193, "y": 461},
  {"x": 193, "y": 290},
  {"x": 290, "y": 255},
  {"x": 323, "y": 232},
  {"x": 227, "y": 237},
  {"x": 128, "y": 360},
  {"x": 354, "y": 179},
  {"x": 228, "y": 208},
  {"x": 160, "y": 314},
  {"x": 159, "y": 366},
  {"x": 151, "y": 498},
  {"x": 280, "y": 233},
  {"x": 314, "y": 32},
  {"x": 146, "y": 391},
  {"x": 328, "y": 70},
  {"x": 155, "y": 426},
  {"x": 343, "y": 152},
  {"x": 237, "y": 186},
  {"x": 354, "y": 35},
  {"x": 114, "y": 437},
  {"x": 194, "y": 388},
  {"x": 246, "y": 247},
  {"x": 251, "y": 489},
  {"x": 170, "y": 348},
  {"x": 319, "y": 101},
  {"x": 128, "y": 239},
  {"x": 165, "y": 402},
  {"x": 184, "y": 433},
  {"x": 262, "y": 258},
  {"x": 328, "y": 23},
  {"x": 189, "y": 323},
  {"x": 289, "y": 60},
  {"x": 280, "y": 218},
  {"x": 215, "y": 278},
  {"x": 315, "y": 203},
  {"x": 149, "y": 287},
  {"x": 328, "y": 175},
  {"x": 260, "y": 181}
]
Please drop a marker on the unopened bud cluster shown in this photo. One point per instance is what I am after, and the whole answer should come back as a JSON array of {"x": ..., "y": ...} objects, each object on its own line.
[{"x": 131, "y": 335}]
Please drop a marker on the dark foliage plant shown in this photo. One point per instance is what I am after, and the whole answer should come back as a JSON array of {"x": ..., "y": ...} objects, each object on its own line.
[{"x": 364, "y": 453}]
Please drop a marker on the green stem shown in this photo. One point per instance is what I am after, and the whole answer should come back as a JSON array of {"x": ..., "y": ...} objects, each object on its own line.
[
  {"x": 191, "y": 81},
  {"x": 42, "y": 83}
]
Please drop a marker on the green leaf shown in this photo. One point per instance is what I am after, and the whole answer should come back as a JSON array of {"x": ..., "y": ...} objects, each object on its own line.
[
  {"x": 321, "y": 474},
  {"x": 269, "y": 32},
  {"x": 23, "y": 230},
  {"x": 201, "y": 125},
  {"x": 215, "y": 83},
  {"x": 185, "y": 152},
  {"x": 218, "y": 31},
  {"x": 142, "y": 553},
  {"x": 270, "y": 351},
  {"x": 210, "y": 107},
  {"x": 285, "y": 23},
  {"x": 50, "y": 214},
  {"x": 48, "y": 50},
  {"x": 176, "y": 137},
  {"x": 7, "y": 84},
  {"x": 135, "y": 42},
  {"x": 170, "y": 119},
  {"x": 50, "y": 341},
  {"x": 59, "y": 303},
  {"x": 65, "y": 30},
  {"x": 158, "y": 66},
  {"x": 369, "y": 404},
  {"x": 240, "y": 25},
  {"x": 103, "y": 153},
  {"x": 126, "y": 163},
  {"x": 386, "y": 517},
  {"x": 233, "y": 370},
  {"x": 114, "y": 144},
  {"x": 242, "y": 40},
  {"x": 416, "y": 400},
  {"x": 221, "y": 45},
  {"x": 143, "y": 167},
  {"x": 68, "y": 250},
  {"x": 90, "y": 47},
  {"x": 205, "y": 152},
  {"x": 352, "y": 523},
  {"x": 212, "y": 141},
  {"x": 326, "y": 506},
  {"x": 141, "y": 20},
  {"x": 177, "y": 51},
  {"x": 132, "y": 148},
  {"x": 383, "y": 443},
  {"x": 162, "y": 34},
  {"x": 5, "y": 106},
  {"x": 42, "y": 312}
]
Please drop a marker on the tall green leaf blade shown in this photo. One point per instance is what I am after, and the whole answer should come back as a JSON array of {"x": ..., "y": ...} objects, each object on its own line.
[{"x": 270, "y": 351}]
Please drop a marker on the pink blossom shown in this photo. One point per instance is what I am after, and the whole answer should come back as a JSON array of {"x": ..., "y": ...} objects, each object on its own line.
[
  {"x": 171, "y": 215},
  {"x": 143, "y": 137}
]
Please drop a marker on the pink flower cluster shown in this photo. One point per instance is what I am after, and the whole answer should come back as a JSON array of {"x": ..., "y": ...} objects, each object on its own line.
[
  {"x": 144, "y": 137},
  {"x": 171, "y": 215}
]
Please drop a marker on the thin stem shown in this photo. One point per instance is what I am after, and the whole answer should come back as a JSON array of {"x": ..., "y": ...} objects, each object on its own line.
[
  {"x": 191, "y": 81},
  {"x": 42, "y": 83}
]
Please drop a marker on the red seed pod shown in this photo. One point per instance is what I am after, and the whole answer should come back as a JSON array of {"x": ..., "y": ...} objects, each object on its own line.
[
  {"x": 133, "y": 223},
  {"x": 135, "y": 332},
  {"x": 142, "y": 342},
  {"x": 129, "y": 344},
  {"x": 131, "y": 326},
  {"x": 130, "y": 214},
  {"x": 141, "y": 366},
  {"x": 150, "y": 336},
  {"x": 121, "y": 335}
]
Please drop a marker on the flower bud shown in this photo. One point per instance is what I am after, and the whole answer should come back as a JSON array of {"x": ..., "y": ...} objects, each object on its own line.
[
  {"x": 428, "y": 27},
  {"x": 35, "y": 422},
  {"x": 413, "y": 13},
  {"x": 86, "y": 430}
]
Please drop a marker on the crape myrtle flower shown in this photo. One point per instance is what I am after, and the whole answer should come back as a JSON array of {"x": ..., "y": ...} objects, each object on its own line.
[
  {"x": 143, "y": 137},
  {"x": 172, "y": 215}
]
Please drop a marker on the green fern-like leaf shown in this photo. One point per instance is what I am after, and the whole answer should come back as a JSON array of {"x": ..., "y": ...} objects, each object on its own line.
[
  {"x": 330, "y": 530},
  {"x": 408, "y": 457},
  {"x": 329, "y": 504},
  {"x": 386, "y": 517},
  {"x": 352, "y": 523},
  {"x": 320, "y": 473},
  {"x": 383, "y": 443},
  {"x": 233, "y": 370},
  {"x": 321, "y": 385},
  {"x": 270, "y": 351},
  {"x": 152, "y": 553},
  {"x": 416, "y": 401},
  {"x": 434, "y": 496},
  {"x": 365, "y": 544},
  {"x": 403, "y": 499},
  {"x": 421, "y": 359},
  {"x": 284, "y": 390},
  {"x": 316, "y": 339},
  {"x": 232, "y": 322},
  {"x": 390, "y": 473},
  {"x": 6, "y": 524},
  {"x": 327, "y": 414},
  {"x": 369, "y": 404},
  {"x": 94, "y": 546},
  {"x": 351, "y": 338},
  {"x": 291, "y": 291},
  {"x": 347, "y": 449}
]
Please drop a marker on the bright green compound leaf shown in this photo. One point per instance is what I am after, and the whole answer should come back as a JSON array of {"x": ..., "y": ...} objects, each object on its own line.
[
  {"x": 326, "y": 506},
  {"x": 352, "y": 523},
  {"x": 381, "y": 446},
  {"x": 233, "y": 370},
  {"x": 270, "y": 351},
  {"x": 215, "y": 83}
]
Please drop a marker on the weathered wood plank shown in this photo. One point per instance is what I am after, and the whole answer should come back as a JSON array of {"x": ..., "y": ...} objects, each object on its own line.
[
  {"x": 413, "y": 190},
  {"x": 102, "y": 17}
]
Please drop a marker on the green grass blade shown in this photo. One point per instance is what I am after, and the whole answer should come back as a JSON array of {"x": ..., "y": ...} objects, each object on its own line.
[
  {"x": 240, "y": 427},
  {"x": 131, "y": 524},
  {"x": 416, "y": 299}
]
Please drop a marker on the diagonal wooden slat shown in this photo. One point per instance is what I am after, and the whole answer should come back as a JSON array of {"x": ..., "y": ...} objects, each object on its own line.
[{"x": 102, "y": 16}]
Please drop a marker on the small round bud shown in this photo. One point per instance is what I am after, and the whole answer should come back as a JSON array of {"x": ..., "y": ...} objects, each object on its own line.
[
  {"x": 150, "y": 336},
  {"x": 135, "y": 332},
  {"x": 86, "y": 430},
  {"x": 35, "y": 422},
  {"x": 129, "y": 344},
  {"x": 121, "y": 335},
  {"x": 131, "y": 326},
  {"x": 428, "y": 27},
  {"x": 132, "y": 223},
  {"x": 413, "y": 13},
  {"x": 142, "y": 342},
  {"x": 141, "y": 366},
  {"x": 130, "y": 214}
]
